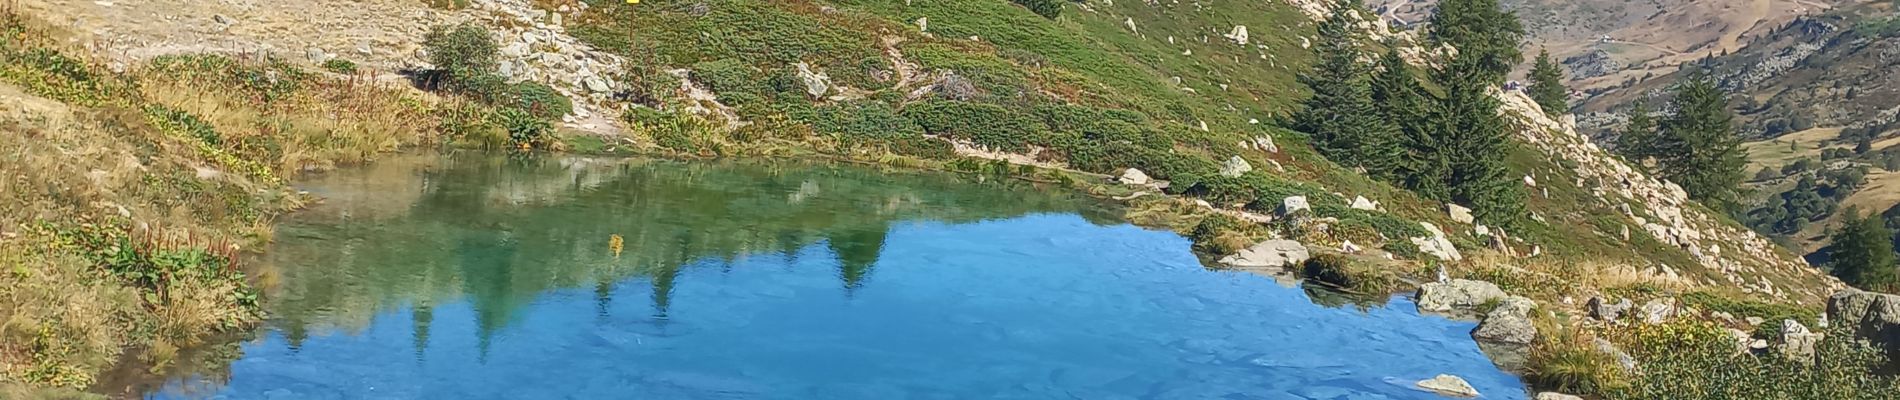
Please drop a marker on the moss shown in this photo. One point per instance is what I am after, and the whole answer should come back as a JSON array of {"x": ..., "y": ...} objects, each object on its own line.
[{"x": 1352, "y": 273}]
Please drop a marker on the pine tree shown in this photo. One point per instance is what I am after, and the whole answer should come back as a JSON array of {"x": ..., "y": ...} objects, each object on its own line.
[
  {"x": 1863, "y": 253},
  {"x": 1637, "y": 141},
  {"x": 1547, "y": 86},
  {"x": 1341, "y": 117},
  {"x": 1482, "y": 31},
  {"x": 1419, "y": 165},
  {"x": 1698, "y": 147},
  {"x": 1471, "y": 137}
]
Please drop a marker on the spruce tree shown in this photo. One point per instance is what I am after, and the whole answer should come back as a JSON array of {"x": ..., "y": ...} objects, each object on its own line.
[
  {"x": 1472, "y": 138},
  {"x": 1698, "y": 147},
  {"x": 1863, "y": 253},
  {"x": 1547, "y": 86},
  {"x": 1419, "y": 166},
  {"x": 1341, "y": 117},
  {"x": 1637, "y": 141},
  {"x": 1481, "y": 31}
]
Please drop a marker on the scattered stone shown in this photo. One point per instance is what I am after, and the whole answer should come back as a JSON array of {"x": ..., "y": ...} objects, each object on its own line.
[
  {"x": 364, "y": 48},
  {"x": 1449, "y": 385},
  {"x": 1270, "y": 254},
  {"x": 1797, "y": 342},
  {"x": 1622, "y": 359},
  {"x": 316, "y": 55},
  {"x": 1361, "y": 203},
  {"x": 923, "y": 24},
  {"x": 816, "y": 83},
  {"x": 1754, "y": 321},
  {"x": 1604, "y": 310},
  {"x": 1722, "y": 317},
  {"x": 1456, "y": 294},
  {"x": 1133, "y": 176},
  {"x": 1481, "y": 230},
  {"x": 1234, "y": 167},
  {"x": 1555, "y": 396},
  {"x": 1459, "y": 213},
  {"x": 1510, "y": 322},
  {"x": 1656, "y": 311},
  {"x": 1437, "y": 244},
  {"x": 1238, "y": 35},
  {"x": 222, "y": 20},
  {"x": 1293, "y": 204},
  {"x": 1529, "y": 181},
  {"x": 1346, "y": 246}
]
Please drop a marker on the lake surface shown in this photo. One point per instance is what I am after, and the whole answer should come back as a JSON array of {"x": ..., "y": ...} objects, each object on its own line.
[{"x": 486, "y": 277}]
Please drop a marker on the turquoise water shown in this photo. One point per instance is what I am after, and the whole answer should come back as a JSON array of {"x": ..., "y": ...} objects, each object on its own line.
[{"x": 475, "y": 277}]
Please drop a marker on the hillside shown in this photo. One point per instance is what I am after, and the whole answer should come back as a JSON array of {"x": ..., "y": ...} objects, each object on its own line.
[
  {"x": 1814, "y": 89},
  {"x": 1608, "y": 44},
  {"x": 1194, "y": 94}
]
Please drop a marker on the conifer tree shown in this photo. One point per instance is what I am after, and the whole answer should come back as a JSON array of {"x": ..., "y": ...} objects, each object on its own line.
[
  {"x": 1471, "y": 137},
  {"x": 1547, "y": 86},
  {"x": 1481, "y": 31},
  {"x": 1419, "y": 165},
  {"x": 1698, "y": 148},
  {"x": 1637, "y": 141},
  {"x": 1341, "y": 117},
  {"x": 1863, "y": 253}
]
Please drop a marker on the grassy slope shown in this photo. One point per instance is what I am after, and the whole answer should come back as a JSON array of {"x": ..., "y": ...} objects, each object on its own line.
[{"x": 129, "y": 195}]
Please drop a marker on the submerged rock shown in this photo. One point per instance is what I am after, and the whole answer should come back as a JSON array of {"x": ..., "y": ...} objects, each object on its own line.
[
  {"x": 1449, "y": 385},
  {"x": 1555, "y": 396},
  {"x": 1510, "y": 322},
  {"x": 1456, "y": 294},
  {"x": 1270, "y": 254}
]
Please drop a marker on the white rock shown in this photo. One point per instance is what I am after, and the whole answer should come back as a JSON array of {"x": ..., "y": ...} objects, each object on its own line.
[
  {"x": 1449, "y": 385},
  {"x": 1293, "y": 204},
  {"x": 1555, "y": 396},
  {"x": 1529, "y": 181},
  {"x": 1133, "y": 176},
  {"x": 1437, "y": 245},
  {"x": 1235, "y": 167},
  {"x": 816, "y": 83},
  {"x": 1456, "y": 294},
  {"x": 1361, "y": 203},
  {"x": 1238, "y": 35},
  {"x": 1459, "y": 213}
]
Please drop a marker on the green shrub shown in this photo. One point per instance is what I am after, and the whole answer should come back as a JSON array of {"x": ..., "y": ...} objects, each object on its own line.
[
  {"x": 986, "y": 125},
  {"x": 461, "y": 49},
  {"x": 180, "y": 121},
  {"x": 1046, "y": 8},
  {"x": 540, "y": 100},
  {"x": 1213, "y": 235},
  {"x": 859, "y": 121},
  {"x": 340, "y": 66},
  {"x": 524, "y": 128},
  {"x": 1391, "y": 227},
  {"x": 1698, "y": 360}
]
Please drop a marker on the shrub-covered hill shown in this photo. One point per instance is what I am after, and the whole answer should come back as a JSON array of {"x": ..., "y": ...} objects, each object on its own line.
[{"x": 1175, "y": 89}]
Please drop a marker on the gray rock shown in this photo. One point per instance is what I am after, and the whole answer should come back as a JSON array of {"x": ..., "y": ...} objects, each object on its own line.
[
  {"x": 1133, "y": 176},
  {"x": 1656, "y": 311},
  {"x": 222, "y": 20},
  {"x": 1797, "y": 342},
  {"x": 364, "y": 48},
  {"x": 1555, "y": 396},
  {"x": 1510, "y": 322},
  {"x": 316, "y": 55},
  {"x": 1234, "y": 167},
  {"x": 1459, "y": 213},
  {"x": 1607, "y": 311},
  {"x": 1449, "y": 385},
  {"x": 1437, "y": 245},
  {"x": 1294, "y": 204},
  {"x": 596, "y": 84},
  {"x": 1270, "y": 254},
  {"x": 1874, "y": 317},
  {"x": 1456, "y": 294},
  {"x": 816, "y": 83},
  {"x": 1622, "y": 359}
]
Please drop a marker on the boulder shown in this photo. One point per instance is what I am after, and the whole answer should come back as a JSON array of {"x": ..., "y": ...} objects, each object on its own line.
[
  {"x": 1456, "y": 294},
  {"x": 1656, "y": 311},
  {"x": 1874, "y": 317},
  {"x": 1361, "y": 203},
  {"x": 1269, "y": 254},
  {"x": 1449, "y": 385},
  {"x": 1436, "y": 244},
  {"x": 816, "y": 83},
  {"x": 1459, "y": 214},
  {"x": 1133, "y": 176},
  {"x": 1797, "y": 342},
  {"x": 1607, "y": 311},
  {"x": 1234, "y": 167},
  {"x": 1294, "y": 204},
  {"x": 1510, "y": 322},
  {"x": 1238, "y": 35}
]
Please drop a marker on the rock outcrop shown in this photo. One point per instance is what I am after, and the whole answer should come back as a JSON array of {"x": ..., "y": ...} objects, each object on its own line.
[
  {"x": 1457, "y": 294},
  {"x": 1270, "y": 254},
  {"x": 1874, "y": 317},
  {"x": 1509, "y": 323}
]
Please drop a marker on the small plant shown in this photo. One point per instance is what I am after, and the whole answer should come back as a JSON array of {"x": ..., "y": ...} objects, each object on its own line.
[
  {"x": 340, "y": 66},
  {"x": 525, "y": 129},
  {"x": 1351, "y": 273}
]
